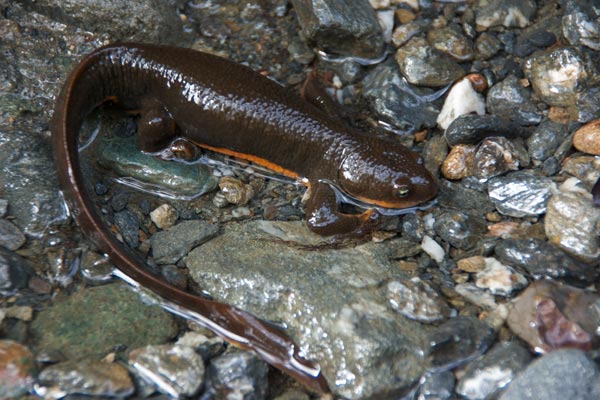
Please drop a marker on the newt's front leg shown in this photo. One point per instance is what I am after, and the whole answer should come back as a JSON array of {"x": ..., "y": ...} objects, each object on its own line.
[{"x": 324, "y": 218}]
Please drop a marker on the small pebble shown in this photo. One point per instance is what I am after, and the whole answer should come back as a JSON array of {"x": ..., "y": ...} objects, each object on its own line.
[
  {"x": 548, "y": 315},
  {"x": 3, "y": 208},
  {"x": 175, "y": 370},
  {"x": 415, "y": 299},
  {"x": 164, "y": 216},
  {"x": 11, "y": 236},
  {"x": 17, "y": 369},
  {"x": 520, "y": 194},
  {"x": 236, "y": 375},
  {"x": 571, "y": 223},
  {"x": 499, "y": 279},
  {"x": 88, "y": 377},
  {"x": 471, "y": 264},
  {"x": 235, "y": 191},
  {"x": 587, "y": 138},
  {"x": 492, "y": 372},
  {"x": 462, "y": 99},
  {"x": 433, "y": 249}
]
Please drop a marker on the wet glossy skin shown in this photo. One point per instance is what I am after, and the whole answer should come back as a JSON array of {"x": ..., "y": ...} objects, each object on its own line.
[{"x": 229, "y": 108}]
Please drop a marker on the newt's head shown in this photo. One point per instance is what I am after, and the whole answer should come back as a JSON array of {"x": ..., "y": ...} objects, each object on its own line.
[{"x": 391, "y": 178}]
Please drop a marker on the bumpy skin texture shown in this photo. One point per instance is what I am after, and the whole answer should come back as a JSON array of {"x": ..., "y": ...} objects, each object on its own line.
[{"x": 227, "y": 107}]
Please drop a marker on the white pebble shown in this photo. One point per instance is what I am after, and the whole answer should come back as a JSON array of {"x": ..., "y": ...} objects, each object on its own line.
[
  {"x": 164, "y": 216},
  {"x": 433, "y": 249},
  {"x": 462, "y": 99}
]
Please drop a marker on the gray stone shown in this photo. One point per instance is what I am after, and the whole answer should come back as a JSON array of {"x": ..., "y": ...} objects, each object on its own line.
[
  {"x": 341, "y": 27},
  {"x": 509, "y": 13},
  {"x": 329, "y": 300},
  {"x": 424, "y": 65},
  {"x": 89, "y": 377},
  {"x": 176, "y": 180},
  {"x": 572, "y": 223},
  {"x": 405, "y": 107},
  {"x": 520, "y": 194},
  {"x": 557, "y": 75},
  {"x": 10, "y": 236},
  {"x": 170, "y": 245},
  {"x": 493, "y": 371},
  {"x": 176, "y": 370},
  {"x": 508, "y": 99},
  {"x": 566, "y": 374},
  {"x": 236, "y": 375}
]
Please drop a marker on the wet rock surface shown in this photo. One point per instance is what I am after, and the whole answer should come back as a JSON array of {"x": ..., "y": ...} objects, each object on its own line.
[
  {"x": 296, "y": 288},
  {"x": 88, "y": 377},
  {"x": 566, "y": 374},
  {"x": 91, "y": 322}
]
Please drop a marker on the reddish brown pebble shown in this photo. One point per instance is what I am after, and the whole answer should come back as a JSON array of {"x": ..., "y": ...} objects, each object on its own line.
[
  {"x": 459, "y": 163},
  {"x": 558, "y": 331},
  {"x": 587, "y": 138},
  {"x": 478, "y": 81}
]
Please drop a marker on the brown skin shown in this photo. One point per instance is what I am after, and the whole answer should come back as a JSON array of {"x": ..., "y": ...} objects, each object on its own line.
[{"x": 227, "y": 107}]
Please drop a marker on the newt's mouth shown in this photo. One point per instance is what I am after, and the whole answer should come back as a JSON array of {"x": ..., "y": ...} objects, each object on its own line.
[{"x": 384, "y": 207}]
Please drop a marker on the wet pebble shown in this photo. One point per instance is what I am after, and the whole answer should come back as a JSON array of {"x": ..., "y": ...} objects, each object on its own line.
[
  {"x": 3, "y": 207},
  {"x": 88, "y": 377},
  {"x": 489, "y": 374},
  {"x": 508, "y": 99},
  {"x": 549, "y": 315},
  {"x": 457, "y": 341},
  {"x": 474, "y": 295},
  {"x": 486, "y": 46},
  {"x": 567, "y": 374},
  {"x": 472, "y": 128},
  {"x": 585, "y": 168},
  {"x": 11, "y": 236},
  {"x": 416, "y": 299},
  {"x": 397, "y": 103},
  {"x": 236, "y": 375},
  {"x": 557, "y": 74},
  {"x": 459, "y": 162},
  {"x": 497, "y": 155},
  {"x": 15, "y": 271},
  {"x": 403, "y": 33},
  {"x": 461, "y": 229},
  {"x": 17, "y": 369},
  {"x": 433, "y": 249},
  {"x": 423, "y": 65},
  {"x": 436, "y": 386},
  {"x": 571, "y": 223},
  {"x": 452, "y": 41},
  {"x": 164, "y": 216},
  {"x": 520, "y": 194},
  {"x": 545, "y": 139},
  {"x": 129, "y": 226},
  {"x": 170, "y": 245},
  {"x": 207, "y": 347},
  {"x": 542, "y": 259},
  {"x": 587, "y": 138},
  {"x": 458, "y": 195},
  {"x": 581, "y": 24},
  {"x": 175, "y": 370},
  {"x": 462, "y": 99},
  {"x": 123, "y": 156},
  {"x": 235, "y": 191},
  {"x": 499, "y": 279},
  {"x": 341, "y": 28},
  {"x": 508, "y": 13}
]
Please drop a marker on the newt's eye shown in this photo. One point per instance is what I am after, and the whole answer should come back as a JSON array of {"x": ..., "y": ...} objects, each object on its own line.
[{"x": 401, "y": 190}]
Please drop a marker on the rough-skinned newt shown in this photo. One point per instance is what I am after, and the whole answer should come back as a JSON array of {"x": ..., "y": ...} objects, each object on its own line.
[{"x": 226, "y": 107}]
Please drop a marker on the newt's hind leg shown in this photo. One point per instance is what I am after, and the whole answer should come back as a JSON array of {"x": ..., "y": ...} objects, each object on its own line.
[
  {"x": 156, "y": 127},
  {"x": 324, "y": 218}
]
